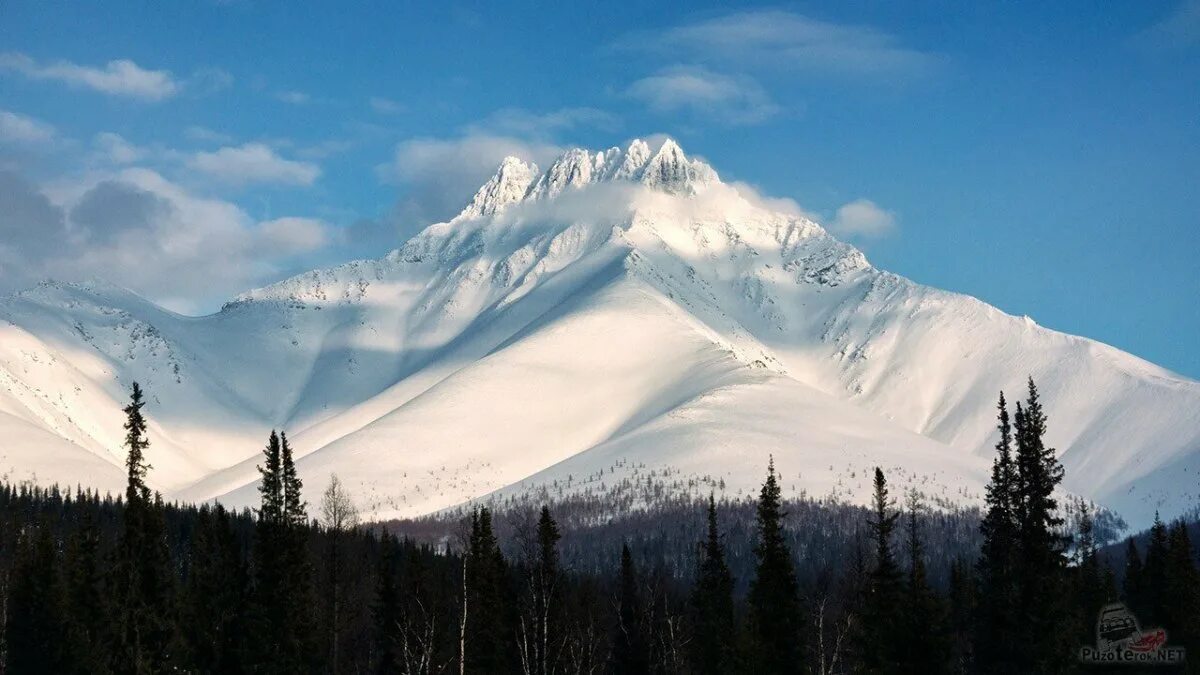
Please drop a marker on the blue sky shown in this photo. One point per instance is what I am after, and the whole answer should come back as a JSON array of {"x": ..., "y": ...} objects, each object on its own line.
[{"x": 1044, "y": 157}]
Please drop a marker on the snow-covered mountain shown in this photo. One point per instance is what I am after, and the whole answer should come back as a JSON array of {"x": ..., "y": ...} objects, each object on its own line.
[{"x": 622, "y": 318}]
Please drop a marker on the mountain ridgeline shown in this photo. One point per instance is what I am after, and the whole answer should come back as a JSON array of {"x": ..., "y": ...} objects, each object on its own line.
[{"x": 620, "y": 313}]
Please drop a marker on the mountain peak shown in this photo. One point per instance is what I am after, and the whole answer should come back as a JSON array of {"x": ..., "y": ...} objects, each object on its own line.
[
  {"x": 509, "y": 184},
  {"x": 668, "y": 169}
]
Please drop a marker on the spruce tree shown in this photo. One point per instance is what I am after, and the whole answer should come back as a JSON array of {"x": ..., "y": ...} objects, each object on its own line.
[
  {"x": 387, "y": 611},
  {"x": 1154, "y": 574},
  {"x": 1041, "y": 563},
  {"x": 488, "y": 639},
  {"x": 713, "y": 632},
  {"x": 541, "y": 646},
  {"x": 996, "y": 637},
  {"x": 881, "y": 642},
  {"x": 631, "y": 649},
  {"x": 142, "y": 580},
  {"x": 215, "y": 595},
  {"x": 962, "y": 617},
  {"x": 1182, "y": 604},
  {"x": 926, "y": 647},
  {"x": 90, "y": 634},
  {"x": 1133, "y": 591},
  {"x": 1091, "y": 586},
  {"x": 283, "y": 581},
  {"x": 775, "y": 616}
]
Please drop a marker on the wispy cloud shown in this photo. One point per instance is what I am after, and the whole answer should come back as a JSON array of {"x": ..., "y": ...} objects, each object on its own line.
[
  {"x": 18, "y": 128},
  {"x": 294, "y": 97},
  {"x": 385, "y": 106},
  {"x": 117, "y": 78},
  {"x": 862, "y": 218},
  {"x": 1179, "y": 28},
  {"x": 526, "y": 123},
  {"x": 781, "y": 40},
  {"x": 254, "y": 163},
  {"x": 735, "y": 100},
  {"x": 206, "y": 135}
]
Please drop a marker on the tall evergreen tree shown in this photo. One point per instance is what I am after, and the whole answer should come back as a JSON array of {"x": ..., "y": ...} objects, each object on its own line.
[
  {"x": 1182, "y": 604},
  {"x": 1154, "y": 574},
  {"x": 488, "y": 637},
  {"x": 1091, "y": 586},
  {"x": 881, "y": 642},
  {"x": 1041, "y": 564},
  {"x": 714, "y": 632},
  {"x": 996, "y": 637},
  {"x": 283, "y": 591},
  {"x": 775, "y": 616},
  {"x": 142, "y": 576},
  {"x": 387, "y": 612},
  {"x": 1133, "y": 592},
  {"x": 925, "y": 647},
  {"x": 631, "y": 649},
  {"x": 540, "y": 636},
  {"x": 962, "y": 617}
]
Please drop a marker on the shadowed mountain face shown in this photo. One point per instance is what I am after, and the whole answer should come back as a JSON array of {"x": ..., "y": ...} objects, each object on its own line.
[{"x": 623, "y": 316}]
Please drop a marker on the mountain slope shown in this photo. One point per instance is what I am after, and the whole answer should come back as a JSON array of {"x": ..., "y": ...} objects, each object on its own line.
[{"x": 621, "y": 313}]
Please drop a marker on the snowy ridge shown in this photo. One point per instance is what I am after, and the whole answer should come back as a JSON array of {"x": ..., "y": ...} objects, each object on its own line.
[{"x": 620, "y": 314}]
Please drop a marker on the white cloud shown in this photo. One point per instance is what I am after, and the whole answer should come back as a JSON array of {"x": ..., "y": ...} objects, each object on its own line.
[
  {"x": 862, "y": 217},
  {"x": 441, "y": 174},
  {"x": 289, "y": 236},
  {"x": 293, "y": 97},
  {"x": 206, "y": 135},
  {"x": 730, "y": 99},
  {"x": 254, "y": 163},
  {"x": 18, "y": 128},
  {"x": 525, "y": 123},
  {"x": 114, "y": 148},
  {"x": 385, "y": 106},
  {"x": 135, "y": 228},
  {"x": 121, "y": 77},
  {"x": 782, "y": 40}
]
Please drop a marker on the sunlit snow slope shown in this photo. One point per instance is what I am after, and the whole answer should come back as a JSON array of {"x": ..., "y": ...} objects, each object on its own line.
[{"x": 622, "y": 318}]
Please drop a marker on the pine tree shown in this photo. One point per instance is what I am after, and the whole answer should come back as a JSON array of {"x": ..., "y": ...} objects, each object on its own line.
[
  {"x": 631, "y": 651},
  {"x": 37, "y": 619},
  {"x": 1091, "y": 587},
  {"x": 214, "y": 597},
  {"x": 1182, "y": 604},
  {"x": 775, "y": 615},
  {"x": 89, "y": 635},
  {"x": 1134, "y": 593},
  {"x": 881, "y": 643},
  {"x": 487, "y": 578},
  {"x": 387, "y": 612},
  {"x": 962, "y": 617},
  {"x": 714, "y": 630},
  {"x": 996, "y": 637},
  {"x": 540, "y": 645},
  {"x": 1154, "y": 574},
  {"x": 142, "y": 579},
  {"x": 283, "y": 579},
  {"x": 925, "y": 647},
  {"x": 1041, "y": 561}
]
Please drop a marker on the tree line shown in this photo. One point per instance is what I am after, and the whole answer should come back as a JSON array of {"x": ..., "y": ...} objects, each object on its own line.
[{"x": 95, "y": 584}]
